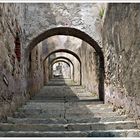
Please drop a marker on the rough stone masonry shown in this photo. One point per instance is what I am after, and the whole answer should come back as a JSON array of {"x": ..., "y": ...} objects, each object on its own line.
[{"x": 115, "y": 27}]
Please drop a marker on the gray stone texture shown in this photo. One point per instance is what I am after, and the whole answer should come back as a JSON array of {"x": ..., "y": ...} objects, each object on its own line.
[
  {"x": 13, "y": 85},
  {"x": 119, "y": 41},
  {"x": 40, "y": 17},
  {"x": 122, "y": 56},
  {"x": 73, "y": 117}
]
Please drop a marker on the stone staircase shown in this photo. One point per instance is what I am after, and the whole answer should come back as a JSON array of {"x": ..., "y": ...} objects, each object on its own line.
[{"x": 67, "y": 111}]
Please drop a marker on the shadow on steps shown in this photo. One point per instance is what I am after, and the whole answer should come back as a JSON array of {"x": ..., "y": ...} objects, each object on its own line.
[{"x": 61, "y": 110}]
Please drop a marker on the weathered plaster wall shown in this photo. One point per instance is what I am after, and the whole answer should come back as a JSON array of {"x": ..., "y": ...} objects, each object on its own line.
[
  {"x": 36, "y": 73},
  {"x": 13, "y": 90},
  {"x": 90, "y": 68},
  {"x": 41, "y": 17},
  {"x": 89, "y": 60},
  {"x": 122, "y": 56}
]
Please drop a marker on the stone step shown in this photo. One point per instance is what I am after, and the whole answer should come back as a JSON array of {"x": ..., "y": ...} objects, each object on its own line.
[
  {"x": 69, "y": 127},
  {"x": 68, "y": 111},
  {"x": 90, "y": 116},
  {"x": 66, "y": 95},
  {"x": 75, "y": 85},
  {"x": 61, "y": 82},
  {"x": 64, "y": 121},
  {"x": 62, "y": 113},
  {"x": 88, "y": 107},
  {"x": 106, "y": 133},
  {"x": 64, "y": 87},
  {"x": 64, "y": 99},
  {"x": 96, "y": 119},
  {"x": 36, "y": 120},
  {"x": 62, "y": 90},
  {"x": 39, "y": 115},
  {"x": 62, "y": 108},
  {"x": 67, "y": 100},
  {"x": 70, "y": 103}
]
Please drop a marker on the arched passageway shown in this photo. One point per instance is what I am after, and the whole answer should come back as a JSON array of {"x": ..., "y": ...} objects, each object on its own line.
[
  {"x": 46, "y": 66},
  {"x": 81, "y": 35},
  {"x": 63, "y": 50},
  {"x": 60, "y": 69},
  {"x": 62, "y": 109},
  {"x": 65, "y": 61},
  {"x": 68, "y": 59}
]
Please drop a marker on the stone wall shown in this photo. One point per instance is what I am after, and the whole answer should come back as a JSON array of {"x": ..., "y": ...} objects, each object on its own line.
[
  {"x": 12, "y": 77},
  {"x": 19, "y": 24},
  {"x": 89, "y": 62},
  {"x": 86, "y": 17},
  {"x": 90, "y": 68},
  {"x": 36, "y": 72},
  {"x": 122, "y": 56},
  {"x": 86, "y": 53},
  {"x": 83, "y": 16}
]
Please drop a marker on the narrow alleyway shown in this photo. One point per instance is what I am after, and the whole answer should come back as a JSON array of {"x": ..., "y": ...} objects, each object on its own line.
[
  {"x": 69, "y": 70},
  {"x": 61, "y": 110}
]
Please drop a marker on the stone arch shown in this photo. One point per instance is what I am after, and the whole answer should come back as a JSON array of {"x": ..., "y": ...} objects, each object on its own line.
[
  {"x": 57, "y": 61},
  {"x": 65, "y": 51},
  {"x": 60, "y": 61},
  {"x": 81, "y": 35},
  {"x": 65, "y": 58},
  {"x": 69, "y": 52}
]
